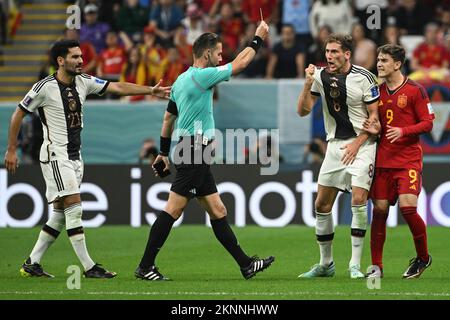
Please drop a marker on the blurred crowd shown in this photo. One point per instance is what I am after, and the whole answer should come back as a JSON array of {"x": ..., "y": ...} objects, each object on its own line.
[{"x": 142, "y": 41}]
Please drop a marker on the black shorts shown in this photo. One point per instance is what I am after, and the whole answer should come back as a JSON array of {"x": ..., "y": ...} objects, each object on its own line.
[{"x": 194, "y": 180}]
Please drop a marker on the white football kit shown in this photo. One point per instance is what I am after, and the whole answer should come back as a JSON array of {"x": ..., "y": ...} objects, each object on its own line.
[
  {"x": 60, "y": 107},
  {"x": 344, "y": 102}
]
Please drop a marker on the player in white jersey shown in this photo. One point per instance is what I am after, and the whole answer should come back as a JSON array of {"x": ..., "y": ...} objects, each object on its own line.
[
  {"x": 349, "y": 97},
  {"x": 59, "y": 99}
]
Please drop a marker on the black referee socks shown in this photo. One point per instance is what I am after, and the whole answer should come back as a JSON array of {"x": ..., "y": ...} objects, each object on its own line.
[
  {"x": 226, "y": 237},
  {"x": 158, "y": 234}
]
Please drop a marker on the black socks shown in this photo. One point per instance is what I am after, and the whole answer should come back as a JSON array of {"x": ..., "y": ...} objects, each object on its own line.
[
  {"x": 226, "y": 237},
  {"x": 158, "y": 234}
]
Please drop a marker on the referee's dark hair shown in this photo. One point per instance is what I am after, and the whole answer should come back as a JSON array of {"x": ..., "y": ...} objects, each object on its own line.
[
  {"x": 206, "y": 41},
  {"x": 345, "y": 40},
  {"x": 396, "y": 51},
  {"x": 61, "y": 49}
]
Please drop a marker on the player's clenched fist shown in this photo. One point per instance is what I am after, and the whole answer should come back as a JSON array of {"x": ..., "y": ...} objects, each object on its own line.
[
  {"x": 309, "y": 74},
  {"x": 263, "y": 30}
]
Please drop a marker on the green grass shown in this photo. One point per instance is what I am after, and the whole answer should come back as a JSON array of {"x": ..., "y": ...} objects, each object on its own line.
[{"x": 202, "y": 269}]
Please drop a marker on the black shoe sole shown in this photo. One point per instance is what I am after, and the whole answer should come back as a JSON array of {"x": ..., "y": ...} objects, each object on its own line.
[
  {"x": 145, "y": 279},
  {"x": 138, "y": 276},
  {"x": 100, "y": 277}
]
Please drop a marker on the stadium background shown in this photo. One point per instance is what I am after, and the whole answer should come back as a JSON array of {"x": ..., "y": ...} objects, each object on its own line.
[
  {"x": 115, "y": 129},
  {"x": 119, "y": 190}
]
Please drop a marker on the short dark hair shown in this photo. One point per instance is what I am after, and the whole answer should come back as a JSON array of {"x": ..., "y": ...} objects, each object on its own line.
[
  {"x": 61, "y": 49},
  {"x": 345, "y": 40},
  {"x": 396, "y": 51},
  {"x": 288, "y": 25},
  {"x": 206, "y": 41}
]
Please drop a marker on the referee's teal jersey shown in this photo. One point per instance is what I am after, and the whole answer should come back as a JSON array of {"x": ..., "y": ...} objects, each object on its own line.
[{"x": 193, "y": 94}]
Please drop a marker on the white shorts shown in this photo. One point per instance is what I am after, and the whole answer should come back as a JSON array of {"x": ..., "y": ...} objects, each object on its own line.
[
  {"x": 333, "y": 173},
  {"x": 62, "y": 178}
]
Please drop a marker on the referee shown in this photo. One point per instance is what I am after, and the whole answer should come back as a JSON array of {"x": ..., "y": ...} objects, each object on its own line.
[{"x": 191, "y": 104}]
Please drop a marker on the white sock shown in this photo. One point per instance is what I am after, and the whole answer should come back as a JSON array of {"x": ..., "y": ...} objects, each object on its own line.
[
  {"x": 326, "y": 253},
  {"x": 79, "y": 245},
  {"x": 76, "y": 235},
  {"x": 43, "y": 242},
  {"x": 48, "y": 235},
  {"x": 325, "y": 234},
  {"x": 358, "y": 231}
]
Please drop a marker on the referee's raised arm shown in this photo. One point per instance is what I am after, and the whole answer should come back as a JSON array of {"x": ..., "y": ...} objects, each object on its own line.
[{"x": 244, "y": 58}]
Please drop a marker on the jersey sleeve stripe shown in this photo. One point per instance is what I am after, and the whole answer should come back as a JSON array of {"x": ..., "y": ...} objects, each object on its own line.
[
  {"x": 40, "y": 84},
  {"x": 104, "y": 88},
  {"x": 373, "y": 100},
  {"x": 317, "y": 94},
  {"x": 24, "y": 109},
  {"x": 371, "y": 81},
  {"x": 366, "y": 73},
  {"x": 44, "y": 79}
]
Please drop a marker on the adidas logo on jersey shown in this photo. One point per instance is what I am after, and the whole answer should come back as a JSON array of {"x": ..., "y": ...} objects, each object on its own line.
[{"x": 193, "y": 191}]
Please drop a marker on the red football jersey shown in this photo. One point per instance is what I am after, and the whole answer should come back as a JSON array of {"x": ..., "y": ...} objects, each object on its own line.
[{"x": 405, "y": 106}]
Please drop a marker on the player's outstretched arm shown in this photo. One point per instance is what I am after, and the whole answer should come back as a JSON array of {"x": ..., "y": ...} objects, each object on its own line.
[
  {"x": 11, "y": 161},
  {"x": 306, "y": 100},
  {"x": 131, "y": 89},
  {"x": 244, "y": 58}
]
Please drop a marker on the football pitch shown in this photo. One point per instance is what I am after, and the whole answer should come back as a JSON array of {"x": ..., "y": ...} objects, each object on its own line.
[{"x": 201, "y": 269}]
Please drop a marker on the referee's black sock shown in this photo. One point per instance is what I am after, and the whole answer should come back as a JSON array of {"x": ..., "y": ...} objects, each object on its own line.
[
  {"x": 158, "y": 234},
  {"x": 226, "y": 237}
]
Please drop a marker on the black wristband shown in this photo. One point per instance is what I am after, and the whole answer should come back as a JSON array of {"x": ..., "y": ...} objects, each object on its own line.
[
  {"x": 256, "y": 43},
  {"x": 164, "y": 144}
]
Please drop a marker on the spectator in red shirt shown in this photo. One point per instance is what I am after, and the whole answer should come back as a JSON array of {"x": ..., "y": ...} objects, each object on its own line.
[
  {"x": 173, "y": 67},
  {"x": 112, "y": 59},
  {"x": 207, "y": 5},
  {"x": 231, "y": 28},
  {"x": 430, "y": 54},
  {"x": 184, "y": 48}
]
